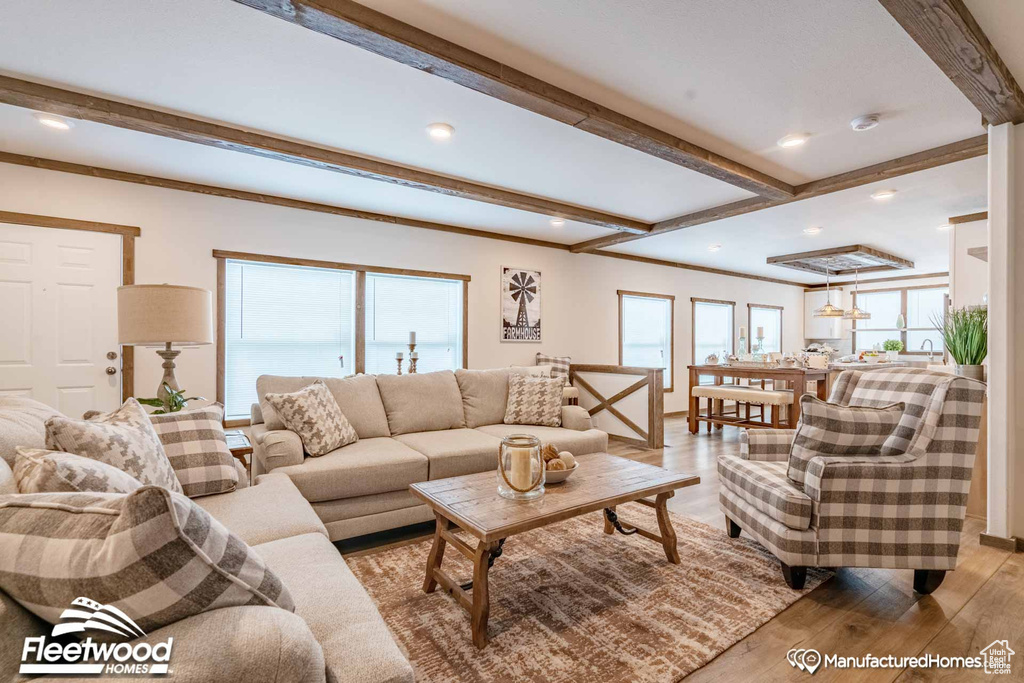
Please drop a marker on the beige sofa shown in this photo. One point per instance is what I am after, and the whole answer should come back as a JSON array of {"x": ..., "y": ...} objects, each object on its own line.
[
  {"x": 411, "y": 428},
  {"x": 335, "y": 633}
]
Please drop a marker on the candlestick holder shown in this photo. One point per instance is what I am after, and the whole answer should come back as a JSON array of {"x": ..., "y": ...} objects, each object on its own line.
[
  {"x": 398, "y": 359},
  {"x": 760, "y": 344},
  {"x": 412, "y": 359}
]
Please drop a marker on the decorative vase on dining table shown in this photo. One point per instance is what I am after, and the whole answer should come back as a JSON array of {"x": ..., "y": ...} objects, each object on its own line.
[{"x": 521, "y": 470}]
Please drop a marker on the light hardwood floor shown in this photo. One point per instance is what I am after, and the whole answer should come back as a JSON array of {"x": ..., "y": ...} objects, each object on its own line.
[{"x": 857, "y": 612}]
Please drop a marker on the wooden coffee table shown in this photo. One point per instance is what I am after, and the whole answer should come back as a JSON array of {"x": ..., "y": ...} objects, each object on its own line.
[{"x": 473, "y": 504}]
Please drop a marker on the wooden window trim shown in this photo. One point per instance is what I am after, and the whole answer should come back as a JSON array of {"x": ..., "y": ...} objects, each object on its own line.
[
  {"x": 128, "y": 234},
  {"x": 693, "y": 324},
  {"x": 672, "y": 330},
  {"x": 360, "y": 271},
  {"x": 750, "y": 324},
  {"x": 903, "y": 310}
]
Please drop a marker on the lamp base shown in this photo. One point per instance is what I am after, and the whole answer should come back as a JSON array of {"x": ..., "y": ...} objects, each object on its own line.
[{"x": 168, "y": 354}]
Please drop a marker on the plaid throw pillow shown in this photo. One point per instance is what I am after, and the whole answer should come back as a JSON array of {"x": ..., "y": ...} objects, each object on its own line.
[
  {"x": 124, "y": 439},
  {"x": 833, "y": 429},
  {"x": 41, "y": 471},
  {"x": 313, "y": 414},
  {"x": 534, "y": 401},
  {"x": 153, "y": 554},
  {"x": 195, "y": 444},
  {"x": 559, "y": 365}
]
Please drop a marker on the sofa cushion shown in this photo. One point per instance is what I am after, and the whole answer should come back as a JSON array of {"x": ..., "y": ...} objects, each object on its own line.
[
  {"x": 559, "y": 365},
  {"x": 351, "y": 508},
  {"x": 534, "y": 401},
  {"x": 22, "y": 423},
  {"x": 257, "y": 514},
  {"x": 368, "y": 466},
  {"x": 313, "y": 414},
  {"x": 421, "y": 403},
  {"x": 38, "y": 470},
  {"x": 357, "y": 396},
  {"x": 195, "y": 444},
  {"x": 455, "y": 452},
  {"x": 153, "y": 554},
  {"x": 484, "y": 395},
  {"x": 577, "y": 443},
  {"x": 7, "y": 481},
  {"x": 357, "y": 644},
  {"x": 124, "y": 438},
  {"x": 764, "y": 485}
]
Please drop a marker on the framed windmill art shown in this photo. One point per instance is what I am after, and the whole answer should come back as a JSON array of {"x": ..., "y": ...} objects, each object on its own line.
[{"x": 520, "y": 305}]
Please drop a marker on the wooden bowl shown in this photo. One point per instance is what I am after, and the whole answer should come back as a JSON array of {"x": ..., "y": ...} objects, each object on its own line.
[{"x": 558, "y": 476}]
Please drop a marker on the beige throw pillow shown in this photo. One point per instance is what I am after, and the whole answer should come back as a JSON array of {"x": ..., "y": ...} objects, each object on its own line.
[
  {"x": 314, "y": 415},
  {"x": 38, "y": 470},
  {"x": 155, "y": 555},
  {"x": 195, "y": 444},
  {"x": 124, "y": 439},
  {"x": 534, "y": 401}
]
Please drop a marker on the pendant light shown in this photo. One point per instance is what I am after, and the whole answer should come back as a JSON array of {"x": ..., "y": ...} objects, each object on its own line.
[
  {"x": 828, "y": 310},
  {"x": 856, "y": 313}
]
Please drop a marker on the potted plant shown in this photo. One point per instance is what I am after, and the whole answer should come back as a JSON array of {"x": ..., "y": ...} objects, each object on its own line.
[
  {"x": 965, "y": 333},
  {"x": 892, "y": 348},
  {"x": 176, "y": 401}
]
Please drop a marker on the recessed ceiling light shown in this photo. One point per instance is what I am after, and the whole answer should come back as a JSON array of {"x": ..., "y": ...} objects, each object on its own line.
[
  {"x": 947, "y": 226},
  {"x": 54, "y": 121},
  {"x": 862, "y": 123},
  {"x": 794, "y": 140},
  {"x": 714, "y": 247},
  {"x": 883, "y": 194},
  {"x": 557, "y": 222},
  {"x": 440, "y": 131},
  {"x": 812, "y": 231}
]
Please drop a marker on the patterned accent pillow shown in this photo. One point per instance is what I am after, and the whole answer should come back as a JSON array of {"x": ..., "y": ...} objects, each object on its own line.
[
  {"x": 40, "y": 471},
  {"x": 124, "y": 438},
  {"x": 833, "y": 429},
  {"x": 313, "y": 414},
  {"x": 534, "y": 401},
  {"x": 153, "y": 554},
  {"x": 195, "y": 444},
  {"x": 560, "y": 365}
]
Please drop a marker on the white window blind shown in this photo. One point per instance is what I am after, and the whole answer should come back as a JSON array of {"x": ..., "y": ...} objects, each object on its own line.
[
  {"x": 647, "y": 334},
  {"x": 886, "y": 307},
  {"x": 923, "y": 307},
  {"x": 770, "y": 319},
  {"x": 430, "y": 307},
  {"x": 284, "y": 320},
  {"x": 712, "y": 330}
]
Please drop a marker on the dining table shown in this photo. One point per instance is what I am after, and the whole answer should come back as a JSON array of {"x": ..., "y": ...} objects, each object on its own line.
[{"x": 796, "y": 378}]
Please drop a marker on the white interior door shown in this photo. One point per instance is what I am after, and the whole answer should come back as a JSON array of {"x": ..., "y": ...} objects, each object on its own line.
[{"x": 58, "y": 317}]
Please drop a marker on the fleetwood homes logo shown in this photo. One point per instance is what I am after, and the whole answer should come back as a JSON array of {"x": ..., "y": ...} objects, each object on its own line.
[{"x": 90, "y": 657}]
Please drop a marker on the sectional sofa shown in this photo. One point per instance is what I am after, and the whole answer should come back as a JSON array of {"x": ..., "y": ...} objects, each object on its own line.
[{"x": 411, "y": 428}]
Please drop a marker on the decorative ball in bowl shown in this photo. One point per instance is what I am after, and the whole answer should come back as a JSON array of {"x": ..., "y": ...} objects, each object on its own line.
[{"x": 560, "y": 468}]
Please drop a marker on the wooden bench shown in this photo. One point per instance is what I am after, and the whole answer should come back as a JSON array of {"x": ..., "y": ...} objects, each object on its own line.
[{"x": 743, "y": 397}]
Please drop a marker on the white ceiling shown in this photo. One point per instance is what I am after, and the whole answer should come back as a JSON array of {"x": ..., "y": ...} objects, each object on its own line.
[
  {"x": 733, "y": 77},
  {"x": 905, "y": 225}
]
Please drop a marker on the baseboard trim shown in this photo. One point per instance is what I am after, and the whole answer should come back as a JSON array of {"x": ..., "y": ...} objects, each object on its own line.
[
  {"x": 1013, "y": 545},
  {"x": 642, "y": 443}
]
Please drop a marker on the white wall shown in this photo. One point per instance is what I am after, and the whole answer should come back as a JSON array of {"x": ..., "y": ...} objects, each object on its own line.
[
  {"x": 968, "y": 274},
  {"x": 580, "y": 304}
]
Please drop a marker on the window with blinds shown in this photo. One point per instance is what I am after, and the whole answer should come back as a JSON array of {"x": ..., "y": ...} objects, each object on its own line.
[
  {"x": 647, "y": 333},
  {"x": 919, "y": 306},
  {"x": 712, "y": 329},
  {"x": 430, "y": 307},
  {"x": 767, "y": 319},
  {"x": 284, "y": 320}
]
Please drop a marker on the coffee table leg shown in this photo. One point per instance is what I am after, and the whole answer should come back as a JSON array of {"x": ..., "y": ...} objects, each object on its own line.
[
  {"x": 436, "y": 554},
  {"x": 668, "y": 534},
  {"x": 481, "y": 596}
]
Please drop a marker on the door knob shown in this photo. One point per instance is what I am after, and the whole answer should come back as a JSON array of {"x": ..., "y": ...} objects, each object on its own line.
[
  {"x": 111, "y": 355},
  {"x": 111, "y": 370}
]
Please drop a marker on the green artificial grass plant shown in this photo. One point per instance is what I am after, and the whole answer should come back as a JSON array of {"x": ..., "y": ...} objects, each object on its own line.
[{"x": 965, "y": 334}]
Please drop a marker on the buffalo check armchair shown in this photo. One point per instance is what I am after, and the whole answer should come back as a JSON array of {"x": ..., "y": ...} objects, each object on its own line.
[{"x": 903, "y": 508}]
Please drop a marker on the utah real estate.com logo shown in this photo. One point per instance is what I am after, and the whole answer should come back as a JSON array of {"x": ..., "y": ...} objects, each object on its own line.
[
  {"x": 90, "y": 657},
  {"x": 994, "y": 659}
]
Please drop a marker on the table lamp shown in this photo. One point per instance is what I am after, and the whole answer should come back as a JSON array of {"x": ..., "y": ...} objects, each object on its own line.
[{"x": 164, "y": 316}]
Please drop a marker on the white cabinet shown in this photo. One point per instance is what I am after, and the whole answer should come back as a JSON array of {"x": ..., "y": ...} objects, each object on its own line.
[{"x": 823, "y": 328}]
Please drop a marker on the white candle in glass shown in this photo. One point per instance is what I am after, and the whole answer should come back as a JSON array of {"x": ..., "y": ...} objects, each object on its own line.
[
  {"x": 412, "y": 337},
  {"x": 743, "y": 331},
  {"x": 520, "y": 474},
  {"x": 760, "y": 332},
  {"x": 399, "y": 356},
  {"x": 414, "y": 355}
]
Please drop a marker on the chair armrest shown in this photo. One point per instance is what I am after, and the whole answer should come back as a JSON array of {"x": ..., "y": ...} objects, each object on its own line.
[
  {"x": 852, "y": 479},
  {"x": 276, "y": 447},
  {"x": 576, "y": 418},
  {"x": 766, "y": 444}
]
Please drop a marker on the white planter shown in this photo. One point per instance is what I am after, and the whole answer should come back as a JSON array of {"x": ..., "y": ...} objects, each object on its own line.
[{"x": 892, "y": 355}]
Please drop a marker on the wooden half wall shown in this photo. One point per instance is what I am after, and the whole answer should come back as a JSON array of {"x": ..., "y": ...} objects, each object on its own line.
[{"x": 627, "y": 402}]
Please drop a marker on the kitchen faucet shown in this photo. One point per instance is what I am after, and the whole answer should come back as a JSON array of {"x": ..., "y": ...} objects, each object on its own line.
[{"x": 931, "y": 348}]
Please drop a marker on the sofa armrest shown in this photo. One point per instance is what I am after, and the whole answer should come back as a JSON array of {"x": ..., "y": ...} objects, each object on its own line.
[
  {"x": 276, "y": 447},
  {"x": 255, "y": 414},
  {"x": 576, "y": 418},
  {"x": 766, "y": 444}
]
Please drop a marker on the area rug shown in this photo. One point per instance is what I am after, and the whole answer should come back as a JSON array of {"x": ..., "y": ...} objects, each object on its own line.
[{"x": 570, "y": 603}]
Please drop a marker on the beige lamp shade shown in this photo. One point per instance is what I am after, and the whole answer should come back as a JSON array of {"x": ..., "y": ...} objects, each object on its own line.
[{"x": 154, "y": 315}]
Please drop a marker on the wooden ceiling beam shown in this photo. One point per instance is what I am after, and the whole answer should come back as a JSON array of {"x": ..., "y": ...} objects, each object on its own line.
[
  {"x": 950, "y": 36},
  {"x": 938, "y": 156},
  {"x": 969, "y": 218},
  {"x": 273, "y": 200},
  {"x": 370, "y": 30},
  {"x": 76, "y": 105}
]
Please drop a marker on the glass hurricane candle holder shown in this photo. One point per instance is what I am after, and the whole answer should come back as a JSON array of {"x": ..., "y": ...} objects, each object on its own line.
[{"x": 520, "y": 467}]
